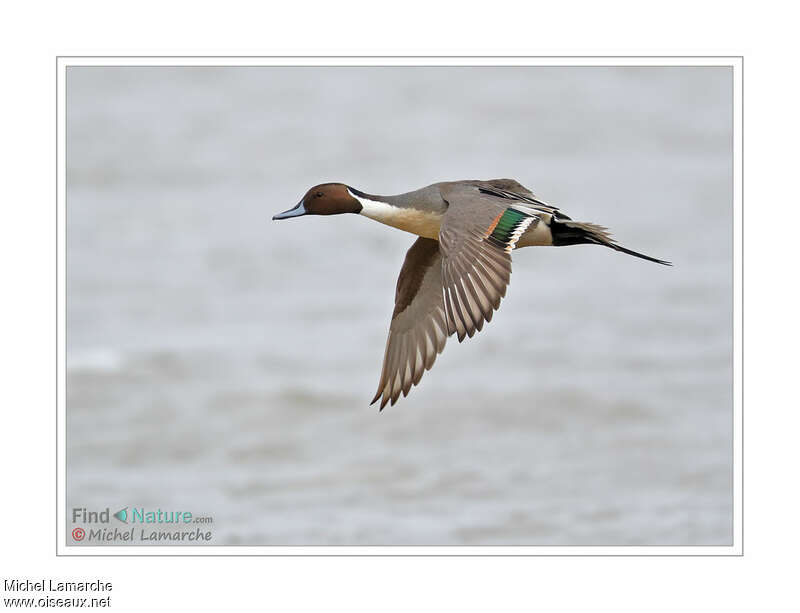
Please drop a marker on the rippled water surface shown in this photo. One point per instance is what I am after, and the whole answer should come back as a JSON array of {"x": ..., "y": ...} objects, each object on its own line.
[{"x": 222, "y": 363}]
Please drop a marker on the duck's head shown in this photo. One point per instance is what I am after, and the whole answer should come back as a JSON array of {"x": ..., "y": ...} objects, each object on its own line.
[{"x": 324, "y": 199}]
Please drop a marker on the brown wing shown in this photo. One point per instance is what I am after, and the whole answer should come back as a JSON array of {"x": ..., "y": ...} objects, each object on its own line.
[
  {"x": 449, "y": 286},
  {"x": 513, "y": 190},
  {"x": 418, "y": 331},
  {"x": 509, "y": 185},
  {"x": 477, "y": 235}
]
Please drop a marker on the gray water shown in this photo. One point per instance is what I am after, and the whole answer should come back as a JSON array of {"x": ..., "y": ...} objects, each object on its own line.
[{"x": 223, "y": 363}]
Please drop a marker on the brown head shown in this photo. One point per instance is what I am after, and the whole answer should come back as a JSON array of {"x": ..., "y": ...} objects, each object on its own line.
[{"x": 324, "y": 199}]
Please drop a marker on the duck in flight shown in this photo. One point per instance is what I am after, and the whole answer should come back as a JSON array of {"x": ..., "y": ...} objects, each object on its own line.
[{"x": 457, "y": 271}]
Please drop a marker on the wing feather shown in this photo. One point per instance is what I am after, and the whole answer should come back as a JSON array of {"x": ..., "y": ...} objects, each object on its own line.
[
  {"x": 453, "y": 285},
  {"x": 418, "y": 331},
  {"x": 476, "y": 266}
]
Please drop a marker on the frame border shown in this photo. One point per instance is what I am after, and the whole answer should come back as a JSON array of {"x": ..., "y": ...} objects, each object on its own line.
[{"x": 736, "y": 63}]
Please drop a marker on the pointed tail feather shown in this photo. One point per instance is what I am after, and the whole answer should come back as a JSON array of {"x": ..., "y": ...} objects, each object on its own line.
[
  {"x": 577, "y": 233},
  {"x": 616, "y": 247}
]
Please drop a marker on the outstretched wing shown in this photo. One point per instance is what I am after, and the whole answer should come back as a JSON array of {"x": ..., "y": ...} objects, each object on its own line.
[
  {"x": 476, "y": 238},
  {"x": 418, "y": 331},
  {"x": 452, "y": 285}
]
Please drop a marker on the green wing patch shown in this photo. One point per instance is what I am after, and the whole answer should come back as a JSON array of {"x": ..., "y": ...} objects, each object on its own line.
[{"x": 505, "y": 231}]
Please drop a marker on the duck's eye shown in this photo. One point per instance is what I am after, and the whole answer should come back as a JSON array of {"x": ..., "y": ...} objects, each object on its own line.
[{"x": 318, "y": 195}]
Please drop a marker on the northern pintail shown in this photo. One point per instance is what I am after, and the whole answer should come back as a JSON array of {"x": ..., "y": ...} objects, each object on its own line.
[{"x": 457, "y": 271}]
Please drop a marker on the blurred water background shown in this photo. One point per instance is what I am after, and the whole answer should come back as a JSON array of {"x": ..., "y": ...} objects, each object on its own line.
[{"x": 222, "y": 363}]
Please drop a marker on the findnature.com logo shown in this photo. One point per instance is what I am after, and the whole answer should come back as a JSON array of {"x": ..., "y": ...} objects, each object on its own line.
[{"x": 172, "y": 522}]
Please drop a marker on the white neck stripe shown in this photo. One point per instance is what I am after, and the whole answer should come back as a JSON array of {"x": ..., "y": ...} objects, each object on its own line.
[{"x": 374, "y": 209}]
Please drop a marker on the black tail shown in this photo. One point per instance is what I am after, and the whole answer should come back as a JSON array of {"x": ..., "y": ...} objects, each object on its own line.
[{"x": 579, "y": 233}]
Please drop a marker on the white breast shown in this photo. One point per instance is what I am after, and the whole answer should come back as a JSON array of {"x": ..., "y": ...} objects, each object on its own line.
[{"x": 416, "y": 221}]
